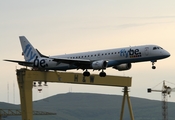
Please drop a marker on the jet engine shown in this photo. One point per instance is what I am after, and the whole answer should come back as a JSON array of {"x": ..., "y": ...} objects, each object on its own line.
[
  {"x": 121, "y": 67},
  {"x": 98, "y": 65}
]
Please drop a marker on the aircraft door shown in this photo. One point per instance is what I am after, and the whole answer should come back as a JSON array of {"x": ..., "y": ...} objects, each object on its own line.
[
  {"x": 98, "y": 56},
  {"x": 146, "y": 51}
]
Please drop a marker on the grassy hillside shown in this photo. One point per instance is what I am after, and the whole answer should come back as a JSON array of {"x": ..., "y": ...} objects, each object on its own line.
[{"x": 84, "y": 106}]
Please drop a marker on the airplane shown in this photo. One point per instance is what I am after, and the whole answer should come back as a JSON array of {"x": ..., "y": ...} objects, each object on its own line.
[{"x": 118, "y": 58}]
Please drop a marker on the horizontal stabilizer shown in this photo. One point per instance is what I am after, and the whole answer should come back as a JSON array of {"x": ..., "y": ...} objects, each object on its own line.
[{"x": 24, "y": 63}]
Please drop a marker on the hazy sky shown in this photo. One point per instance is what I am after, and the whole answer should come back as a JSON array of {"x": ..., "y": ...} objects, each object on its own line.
[{"x": 62, "y": 26}]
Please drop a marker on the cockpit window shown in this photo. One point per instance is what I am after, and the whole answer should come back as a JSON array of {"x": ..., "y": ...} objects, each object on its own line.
[{"x": 155, "y": 48}]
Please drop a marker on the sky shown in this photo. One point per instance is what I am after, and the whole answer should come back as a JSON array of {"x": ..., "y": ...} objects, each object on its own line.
[{"x": 68, "y": 26}]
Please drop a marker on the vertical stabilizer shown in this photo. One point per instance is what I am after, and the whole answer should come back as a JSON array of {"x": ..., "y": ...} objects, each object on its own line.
[{"x": 29, "y": 51}]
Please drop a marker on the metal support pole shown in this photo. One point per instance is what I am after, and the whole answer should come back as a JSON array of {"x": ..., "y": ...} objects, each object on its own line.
[
  {"x": 126, "y": 95},
  {"x": 25, "y": 89}
]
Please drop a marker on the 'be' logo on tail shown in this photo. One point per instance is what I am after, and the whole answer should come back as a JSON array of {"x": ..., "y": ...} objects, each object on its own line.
[{"x": 29, "y": 53}]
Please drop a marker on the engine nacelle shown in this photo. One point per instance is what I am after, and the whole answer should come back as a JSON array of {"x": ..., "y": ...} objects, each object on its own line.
[
  {"x": 122, "y": 67},
  {"x": 98, "y": 65}
]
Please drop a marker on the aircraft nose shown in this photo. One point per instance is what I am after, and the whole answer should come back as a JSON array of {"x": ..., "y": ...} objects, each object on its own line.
[{"x": 167, "y": 54}]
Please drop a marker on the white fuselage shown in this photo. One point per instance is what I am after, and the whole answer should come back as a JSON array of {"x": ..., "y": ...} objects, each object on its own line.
[
  {"x": 114, "y": 56},
  {"x": 118, "y": 58}
]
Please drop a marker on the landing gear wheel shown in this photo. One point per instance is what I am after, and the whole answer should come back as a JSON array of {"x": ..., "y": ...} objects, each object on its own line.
[
  {"x": 102, "y": 74},
  {"x": 153, "y": 67},
  {"x": 86, "y": 73}
]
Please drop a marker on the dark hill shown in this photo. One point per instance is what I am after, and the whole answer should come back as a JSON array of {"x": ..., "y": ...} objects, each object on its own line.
[{"x": 85, "y": 106}]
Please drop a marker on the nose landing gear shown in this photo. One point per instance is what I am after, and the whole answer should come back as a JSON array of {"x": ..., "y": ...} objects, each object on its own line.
[{"x": 153, "y": 66}]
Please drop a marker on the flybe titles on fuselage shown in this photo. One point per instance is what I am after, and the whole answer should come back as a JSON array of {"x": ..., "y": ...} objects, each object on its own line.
[{"x": 131, "y": 53}]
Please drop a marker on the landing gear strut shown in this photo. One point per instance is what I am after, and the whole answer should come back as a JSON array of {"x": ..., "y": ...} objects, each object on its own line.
[{"x": 153, "y": 66}]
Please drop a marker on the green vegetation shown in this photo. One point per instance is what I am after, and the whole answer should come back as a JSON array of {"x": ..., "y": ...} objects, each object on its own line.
[{"x": 85, "y": 106}]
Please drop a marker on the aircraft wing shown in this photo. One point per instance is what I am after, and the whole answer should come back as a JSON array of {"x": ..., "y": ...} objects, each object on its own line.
[
  {"x": 24, "y": 63},
  {"x": 80, "y": 63},
  {"x": 72, "y": 61}
]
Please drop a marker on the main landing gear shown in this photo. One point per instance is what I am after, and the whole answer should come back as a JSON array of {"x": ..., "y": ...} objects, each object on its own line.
[
  {"x": 87, "y": 74},
  {"x": 102, "y": 74}
]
